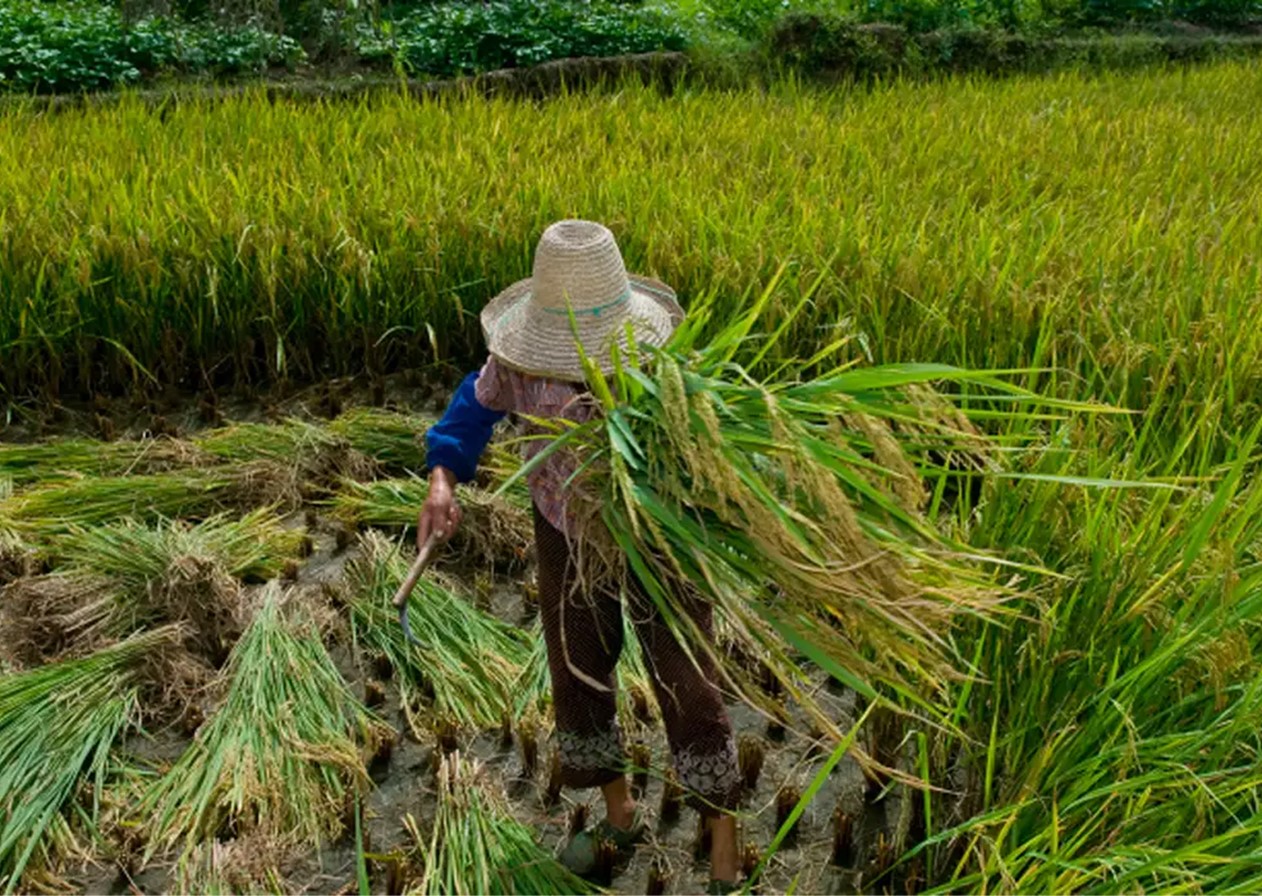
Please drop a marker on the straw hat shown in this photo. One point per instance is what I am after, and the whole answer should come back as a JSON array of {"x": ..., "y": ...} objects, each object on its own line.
[{"x": 578, "y": 270}]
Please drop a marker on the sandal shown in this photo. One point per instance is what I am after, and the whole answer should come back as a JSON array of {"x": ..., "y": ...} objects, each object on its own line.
[{"x": 580, "y": 854}]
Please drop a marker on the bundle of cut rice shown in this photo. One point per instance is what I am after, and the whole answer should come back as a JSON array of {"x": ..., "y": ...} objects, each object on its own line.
[{"x": 791, "y": 499}]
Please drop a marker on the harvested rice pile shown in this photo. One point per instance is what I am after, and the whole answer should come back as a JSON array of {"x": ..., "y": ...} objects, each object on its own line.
[{"x": 154, "y": 568}]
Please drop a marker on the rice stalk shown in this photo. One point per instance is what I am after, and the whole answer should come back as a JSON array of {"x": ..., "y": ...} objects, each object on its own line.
[
  {"x": 116, "y": 579},
  {"x": 495, "y": 531},
  {"x": 394, "y": 440},
  {"x": 27, "y": 464},
  {"x": 248, "y": 864},
  {"x": 17, "y": 559},
  {"x": 59, "y": 614},
  {"x": 57, "y": 726},
  {"x": 477, "y": 847},
  {"x": 533, "y": 688},
  {"x": 313, "y": 456},
  {"x": 253, "y": 547},
  {"x": 470, "y": 663},
  {"x": 282, "y": 753},
  {"x": 55, "y": 509}
]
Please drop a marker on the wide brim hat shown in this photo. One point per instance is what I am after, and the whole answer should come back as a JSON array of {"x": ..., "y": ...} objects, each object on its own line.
[{"x": 579, "y": 293}]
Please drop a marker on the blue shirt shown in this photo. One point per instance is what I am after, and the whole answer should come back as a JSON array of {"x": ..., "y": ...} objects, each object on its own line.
[{"x": 459, "y": 438}]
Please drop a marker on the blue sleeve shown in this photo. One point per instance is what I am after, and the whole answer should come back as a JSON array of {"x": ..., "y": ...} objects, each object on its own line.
[{"x": 459, "y": 438}]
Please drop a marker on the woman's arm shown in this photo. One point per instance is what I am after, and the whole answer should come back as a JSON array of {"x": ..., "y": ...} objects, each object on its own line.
[
  {"x": 456, "y": 442},
  {"x": 453, "y": 447}
]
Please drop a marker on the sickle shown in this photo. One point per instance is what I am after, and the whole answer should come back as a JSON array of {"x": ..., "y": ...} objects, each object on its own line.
[{"x": 414, "y": 575}]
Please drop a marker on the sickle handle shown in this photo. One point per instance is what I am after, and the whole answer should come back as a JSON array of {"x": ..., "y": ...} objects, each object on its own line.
[
  {"x": 400, "y": 599},
  {"x": 414, "y": 574}
]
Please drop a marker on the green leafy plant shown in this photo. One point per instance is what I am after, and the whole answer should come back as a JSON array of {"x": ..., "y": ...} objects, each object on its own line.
[
  {"x": 75, "y": 46},
  {"x": 452, "y": 38}
]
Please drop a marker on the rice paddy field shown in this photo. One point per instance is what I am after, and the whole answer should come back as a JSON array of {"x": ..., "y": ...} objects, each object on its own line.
[{"x": 225, "y": 326}]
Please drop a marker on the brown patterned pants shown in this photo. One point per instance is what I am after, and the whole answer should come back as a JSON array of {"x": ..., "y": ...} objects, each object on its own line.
[{"x": 584, "y": 634}]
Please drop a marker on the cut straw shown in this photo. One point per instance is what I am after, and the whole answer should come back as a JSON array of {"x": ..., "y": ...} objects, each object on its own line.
[
  {"x": 57, "y": 726},
  {"x": 469, "y": 663},
  {"x": 477, "y": 847},
  {"x": 283, "y": 752},
  {"x": 494, "y": 531}
]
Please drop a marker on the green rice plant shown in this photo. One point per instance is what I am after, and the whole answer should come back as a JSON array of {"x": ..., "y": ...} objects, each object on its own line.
[
  {"x": 55, "y": 509},
  {"x": 313, "y": 455},
  {"x": 396, "y": 442},
  {"x": 283, "y": 753},
  {"x": 1116, "y": 740},
  {"x": 786, "y": 502},
  {"x": 292, "y": 441},
  {"x": 469, "y": 663},
  {"x": 476, "y": 846},
  {"x": 64, "y": 458},
  {"x": 986, "y": 224},
  {"x": 494, "y": 531},
  {"x": 533, "y": 689},
  {"x": 58, "y": 724},
  {"x": 1100, "y": 233},
  {"x": 115, "y": 579}
]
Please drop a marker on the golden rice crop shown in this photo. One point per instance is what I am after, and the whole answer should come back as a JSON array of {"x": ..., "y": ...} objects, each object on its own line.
[{"x": 1110, "y": 225}]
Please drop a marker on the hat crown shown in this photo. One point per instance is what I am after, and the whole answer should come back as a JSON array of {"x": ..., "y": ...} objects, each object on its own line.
[{"x": 578, "y": 266}]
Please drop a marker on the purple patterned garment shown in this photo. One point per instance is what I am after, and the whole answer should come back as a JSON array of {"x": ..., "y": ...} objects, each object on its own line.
[{"x": 500, "y": 388}]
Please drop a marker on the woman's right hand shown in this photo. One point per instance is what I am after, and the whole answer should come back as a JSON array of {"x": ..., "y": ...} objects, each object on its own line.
[{"x": 440, "y": 514}]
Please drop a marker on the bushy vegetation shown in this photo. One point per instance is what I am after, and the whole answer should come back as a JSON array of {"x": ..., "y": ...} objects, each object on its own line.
[
  {"x": 73, "y": 45},
  {"x": 462, "y": 38},
  {"x": 88, "y": 46}
]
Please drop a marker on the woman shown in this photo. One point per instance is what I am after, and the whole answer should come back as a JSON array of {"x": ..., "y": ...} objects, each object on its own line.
[{"x": 580, "y": 292}]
